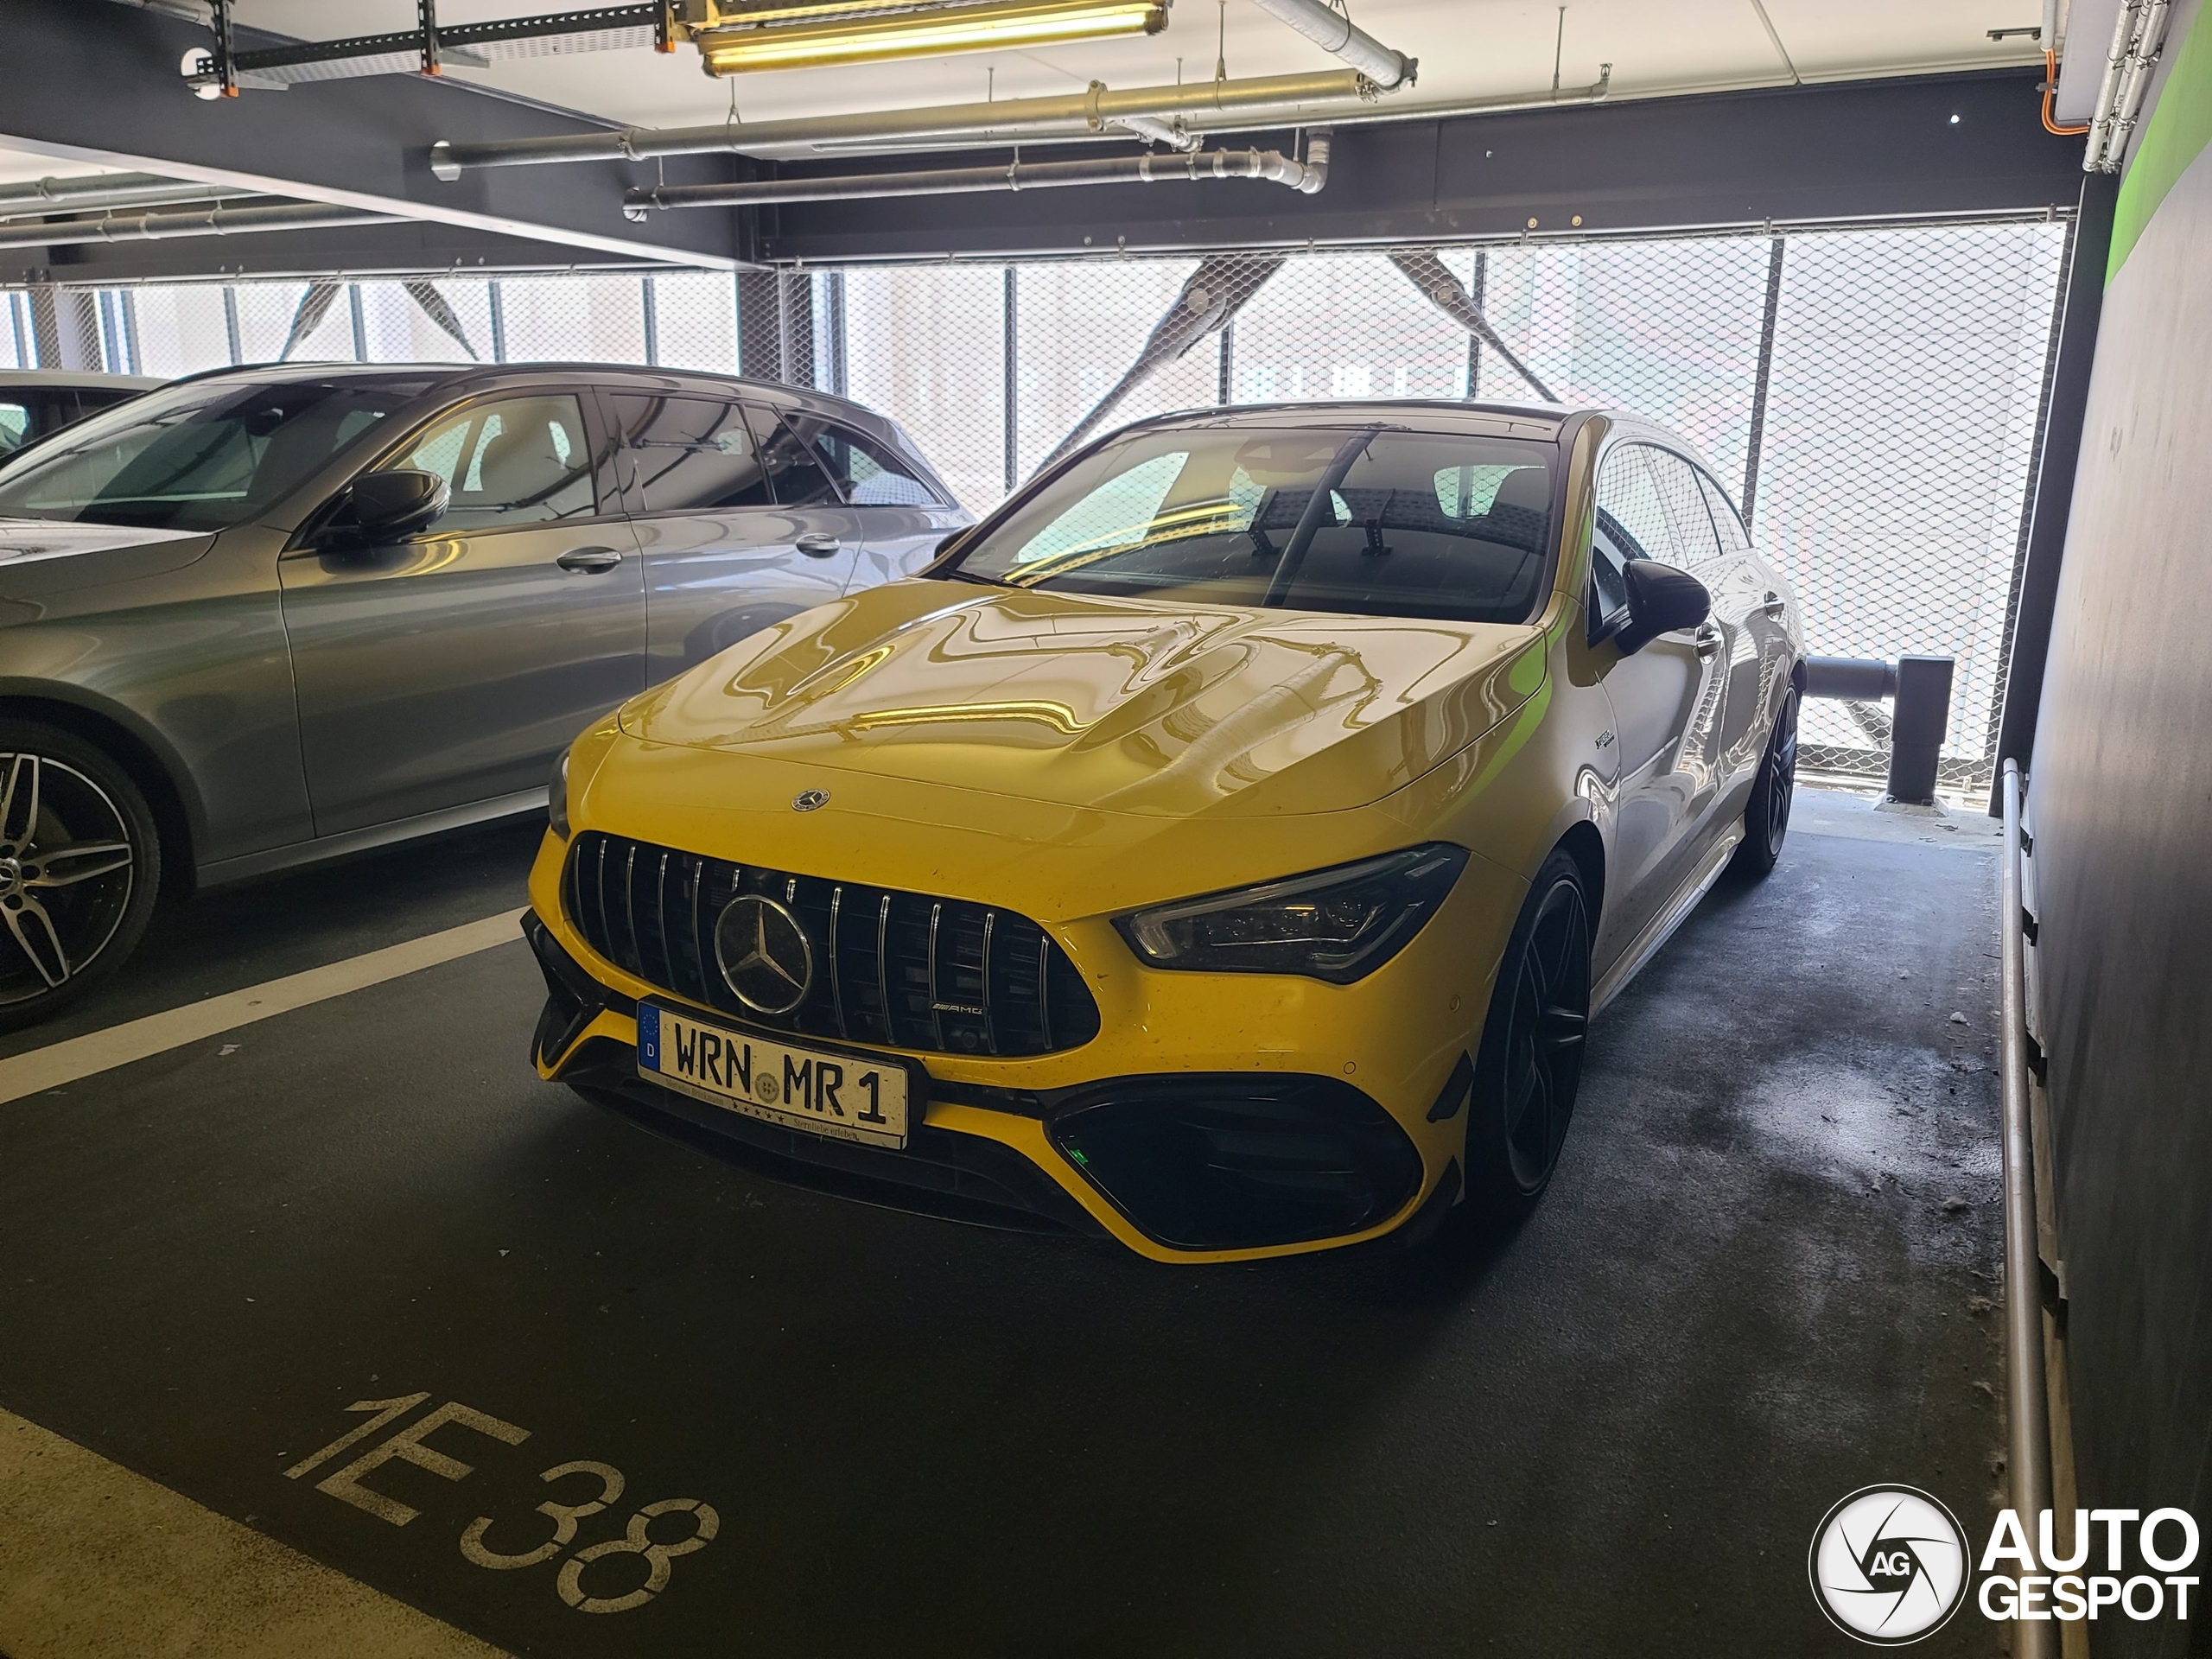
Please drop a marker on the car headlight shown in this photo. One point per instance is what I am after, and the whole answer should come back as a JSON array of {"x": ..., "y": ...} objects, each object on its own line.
[
  {"x": 1337, "y": 925},
  {"x": 556, "y": 797}
]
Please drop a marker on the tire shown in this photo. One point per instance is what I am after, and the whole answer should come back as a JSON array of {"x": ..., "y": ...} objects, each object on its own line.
[
  {"x": 1766, "y": 815},
  {"x": 1530, "y": 1067},
  {"x": 81, "y": 866}
]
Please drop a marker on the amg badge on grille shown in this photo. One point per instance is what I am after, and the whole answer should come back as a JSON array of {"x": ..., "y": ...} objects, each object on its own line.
[{"x": 807, "y": 799}]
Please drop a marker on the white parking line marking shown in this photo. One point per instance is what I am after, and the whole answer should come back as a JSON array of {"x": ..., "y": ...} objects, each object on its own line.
[
  {"x": 41, "y": 1069},
  {"x": 98, "y": 1563}
]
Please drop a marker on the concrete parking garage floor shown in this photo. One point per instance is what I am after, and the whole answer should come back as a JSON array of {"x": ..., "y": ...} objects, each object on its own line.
[{"x": 1760, "y": 1281}]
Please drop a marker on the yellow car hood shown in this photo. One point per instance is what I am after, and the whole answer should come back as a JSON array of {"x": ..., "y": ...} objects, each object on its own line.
[{"x": 1121, "y": 705}]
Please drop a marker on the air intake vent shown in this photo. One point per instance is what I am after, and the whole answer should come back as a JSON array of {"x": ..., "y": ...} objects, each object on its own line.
[{"x": 902, "y": 970}]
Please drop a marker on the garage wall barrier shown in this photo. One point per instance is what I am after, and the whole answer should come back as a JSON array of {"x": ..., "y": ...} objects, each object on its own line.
[{"x": 1876, "y": 394}]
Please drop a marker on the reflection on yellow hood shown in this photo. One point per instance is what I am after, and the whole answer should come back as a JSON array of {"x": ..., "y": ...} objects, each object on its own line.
[{"x": 1121, "y": 705}]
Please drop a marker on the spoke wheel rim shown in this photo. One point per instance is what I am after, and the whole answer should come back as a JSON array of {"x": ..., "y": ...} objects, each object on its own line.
[
  {"x": 1546, "y": 1034},
  {"x": 1782, "y": 772},
  {"x": 67, "y": 868}
]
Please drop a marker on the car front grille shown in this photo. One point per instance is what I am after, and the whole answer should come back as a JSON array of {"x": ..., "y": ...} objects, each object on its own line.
[{"x": 904, "y": 970}]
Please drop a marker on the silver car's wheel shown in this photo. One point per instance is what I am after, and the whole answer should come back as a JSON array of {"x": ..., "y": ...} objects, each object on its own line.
[
  {"x": 78, "y": 864},
  {"x": 1766, "y": 815}
]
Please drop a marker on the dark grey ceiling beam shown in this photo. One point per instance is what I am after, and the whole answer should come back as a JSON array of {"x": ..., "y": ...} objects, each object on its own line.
[
  {"x": 385, "y": 249},
  {"x": 100, "y": 84},
  {"x": 1794, "y": 155}
]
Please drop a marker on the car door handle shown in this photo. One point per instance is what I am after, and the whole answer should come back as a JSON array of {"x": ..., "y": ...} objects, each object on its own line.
[
  {"x": 1773, "y": 605},
  {"x": 816, "y": 545},
  {"x": 1707, "y": 640},
  {"x": 589, "y": 558}
]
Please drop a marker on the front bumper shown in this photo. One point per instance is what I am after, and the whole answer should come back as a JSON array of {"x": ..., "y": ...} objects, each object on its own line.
[{"x": 1189, "y": 1130}]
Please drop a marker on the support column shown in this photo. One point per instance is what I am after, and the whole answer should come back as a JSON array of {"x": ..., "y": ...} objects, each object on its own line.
[
  {"x": 2036, "y": 590},
  {"x": 775, "y": 326},
  {"x": 66, "y": 326},
  {"x": 1010, "y": 393},
  {"x": 1766, "y": 371},
  {"x": 1476, "y": 292},
  {"x": 835, "y": 370},
  {"x": 795, "y": 327}
]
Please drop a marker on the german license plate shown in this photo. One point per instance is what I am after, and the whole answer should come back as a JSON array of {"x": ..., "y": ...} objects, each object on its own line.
[{"x": 840, "y": 1096}]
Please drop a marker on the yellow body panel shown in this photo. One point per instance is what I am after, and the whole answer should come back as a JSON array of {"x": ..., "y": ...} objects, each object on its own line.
[{"x": 1072, "y": 758}]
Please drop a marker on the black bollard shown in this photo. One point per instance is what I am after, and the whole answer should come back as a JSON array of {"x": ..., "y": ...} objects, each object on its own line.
[{"x": 1918, "y": 719}]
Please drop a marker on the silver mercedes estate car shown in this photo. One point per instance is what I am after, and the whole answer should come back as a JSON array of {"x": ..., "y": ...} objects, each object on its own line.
[{"x": 269, "y": 616}]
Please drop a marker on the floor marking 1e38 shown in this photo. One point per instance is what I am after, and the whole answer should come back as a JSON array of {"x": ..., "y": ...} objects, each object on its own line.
[{"x": 408, "y": 1444}]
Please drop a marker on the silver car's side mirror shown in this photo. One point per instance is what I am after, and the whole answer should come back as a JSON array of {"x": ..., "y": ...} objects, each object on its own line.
[
  {"x": 1660, "y": 599},
  {"x": 385, "y": 506}
]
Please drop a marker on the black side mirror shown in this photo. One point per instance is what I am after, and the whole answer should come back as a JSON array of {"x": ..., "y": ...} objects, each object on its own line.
[
  {"x": 385, "y": 506},
  {"x": 1660, "y": 599}
]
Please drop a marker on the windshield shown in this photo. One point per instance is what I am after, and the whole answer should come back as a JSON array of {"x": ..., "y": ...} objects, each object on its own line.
[
  {"x": 1363, "y": 521},
  {"x": 202, "y": 456}
]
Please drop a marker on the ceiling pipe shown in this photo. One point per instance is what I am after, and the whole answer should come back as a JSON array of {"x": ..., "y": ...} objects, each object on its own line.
[
  {"x": 1398, "y": 109},
  {"x": 1334, "y": 32},
  {"x": 1094, "y": 110},
  {"x": 1154, "y": 130},
  {"x": 2128, "y": 69},
  {"x": 215, "y": 221},
  {"x": 104, "y": 190},
  {"x": 1307, "y": 177}
]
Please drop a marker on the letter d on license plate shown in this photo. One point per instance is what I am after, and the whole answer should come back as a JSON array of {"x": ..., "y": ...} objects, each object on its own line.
[{"x": 845, "y": 1096}]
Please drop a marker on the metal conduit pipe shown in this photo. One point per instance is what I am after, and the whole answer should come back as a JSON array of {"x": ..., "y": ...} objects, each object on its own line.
[
  {"x": 2135, "y": 85},
  {"x": 216, "y": 221},
  {"x": 1094, "y": 110},
  {"x": 1334, "y": 32},
  {"x": 1154, "y": 130},
  {"x": 1307, "y": 176},
  {"x": 2027, "y": 1391},
  {"x": 104, "y": 190},
  {"x": 2123, "y": 42}
]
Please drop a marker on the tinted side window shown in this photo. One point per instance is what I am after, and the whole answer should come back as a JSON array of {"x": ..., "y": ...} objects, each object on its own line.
[
  {"x": 796, "y": 475},
  {"x": 1630, "y": 510},
  {"x": 516, "y": 460},
  {"x": 90, "y": 402},
  {"x": 1733, "y": 541},
  {"x": 15, "y": 425},
  {"x": 871, "y": 474},
  {"x": 1678, "y": 488},
  {"x": 691, "y": 454}
]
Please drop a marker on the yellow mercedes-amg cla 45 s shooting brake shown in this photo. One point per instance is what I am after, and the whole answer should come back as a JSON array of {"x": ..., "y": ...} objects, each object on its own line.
[{"x": 1223, "y": 847}]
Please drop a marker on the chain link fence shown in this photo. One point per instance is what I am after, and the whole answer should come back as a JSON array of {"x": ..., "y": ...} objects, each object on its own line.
[{"x": 1875, "y": 396}]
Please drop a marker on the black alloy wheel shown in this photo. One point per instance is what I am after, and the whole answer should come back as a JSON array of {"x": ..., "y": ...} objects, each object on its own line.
[
  {"x": 1530, "y": 1065},
  {"x": 80, "y": 866},
  {"x": 1766, "y": 815}
]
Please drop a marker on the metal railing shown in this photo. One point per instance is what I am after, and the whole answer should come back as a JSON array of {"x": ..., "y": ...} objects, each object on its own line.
[{"x": 2027, "y": 1389}]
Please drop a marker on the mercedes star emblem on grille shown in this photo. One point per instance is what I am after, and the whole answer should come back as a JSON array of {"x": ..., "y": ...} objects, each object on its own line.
[
  {"x": 764, "y": 954},
  {"x": 807, "y": 799}
]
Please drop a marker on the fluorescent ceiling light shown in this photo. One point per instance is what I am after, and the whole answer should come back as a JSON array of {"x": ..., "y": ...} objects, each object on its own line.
[{"x": 730, "y": 50}]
